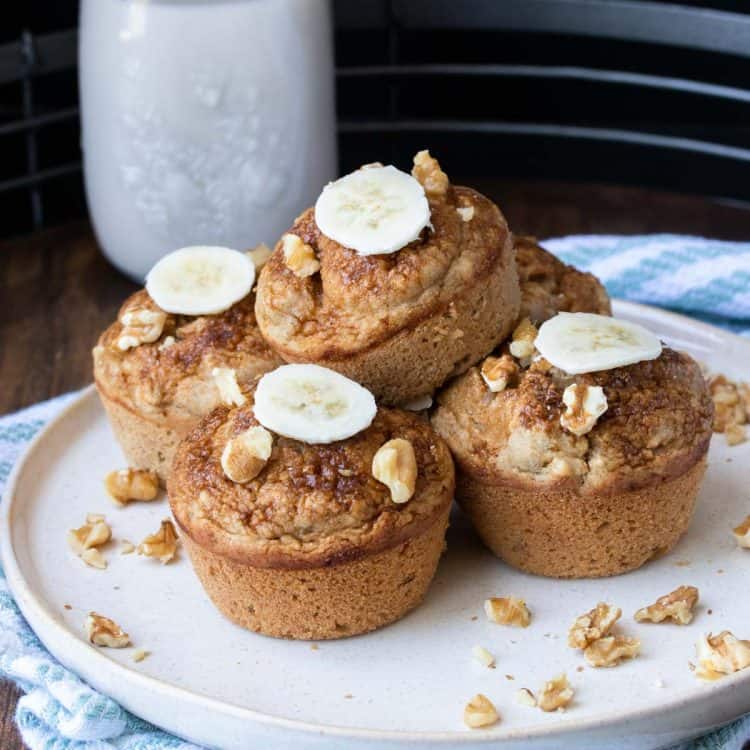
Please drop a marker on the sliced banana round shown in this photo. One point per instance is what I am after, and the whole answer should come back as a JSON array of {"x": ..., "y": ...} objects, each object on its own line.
[
  {"x": 312, "y": 404},
  {"x": 200, "y": 280},
  {"x": 584, "y": 342},
  {"x": 374, "y": 211}
]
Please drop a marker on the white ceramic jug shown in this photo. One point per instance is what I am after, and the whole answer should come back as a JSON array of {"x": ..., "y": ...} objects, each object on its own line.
[{"x": 203, "y": 121}]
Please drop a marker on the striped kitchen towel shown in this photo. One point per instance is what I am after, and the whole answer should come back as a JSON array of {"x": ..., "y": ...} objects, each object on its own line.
[{"x": 704, "y": 278}]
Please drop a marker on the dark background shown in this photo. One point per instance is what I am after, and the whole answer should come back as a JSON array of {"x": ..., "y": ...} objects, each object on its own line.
[{"x": 480, "y": 125}]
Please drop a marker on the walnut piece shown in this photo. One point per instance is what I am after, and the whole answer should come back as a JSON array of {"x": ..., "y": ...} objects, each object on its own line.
[
  {"x": 595, "y": 624},
  {"x": 259, "y": 255},
  {"x": 731, "y": 407},
  {"x": 101, "y": 631},
  {"x": 720, "y": 655},
  {"x": 677, "y": 606},
  {"x": 162, "y": 544},
  {"x": 140, "y": 325},
  {"x": 480, "y": 712},
  {"x": 299, "y": 257},
  {"x": 742, "y": 533},
  {"x": 483, "y": 656},
  {"x": 584, "y": 405},
  {"x": 225, "y": 379},
  {"x": 611, "y": 650},
  {"x": 140, "y": 654},
  {"x": 127, "y": 485},
  {"x": 525, "y": 697},
  {"x": 93, "y": 533},
  {"x": 395, "y": 465},
  {"x": 93, "y": 558},
  {"x": 427, "y": 172},
  {"x": 508, "y": 611},
  {"x": 465, "y": 212},
  {"x": 498, "y": 372},
  {"x": 245, "y": 455},
  {"x": 556, "y": 694},
  {"x": 524, "y": 336},
  {"x": 127, "y": 547}
]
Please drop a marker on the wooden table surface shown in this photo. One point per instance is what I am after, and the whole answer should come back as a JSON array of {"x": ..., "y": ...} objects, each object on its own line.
[{"x": 58, "y": 292}]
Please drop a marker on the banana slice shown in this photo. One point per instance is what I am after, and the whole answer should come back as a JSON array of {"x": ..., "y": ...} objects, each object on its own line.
[
  {"x": 200, "y": 280},
  {"x": 312, "y": 404},
  {"x": 584, "y": 342},
  {"x": 375, "y": 211}
]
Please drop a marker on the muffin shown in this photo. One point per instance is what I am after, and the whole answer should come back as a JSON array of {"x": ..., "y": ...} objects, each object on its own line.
[
  {"x": 419, "y": 284},
  {"x": 299, "y": 539},
  {"x": 578, "y": 475},
  {"x": 159, "y": 373},
  {"x": 549, "y": 286}
]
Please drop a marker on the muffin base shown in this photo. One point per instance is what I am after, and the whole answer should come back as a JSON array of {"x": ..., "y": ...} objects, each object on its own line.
[
  {"x": 323, "y": 603},
  {"x": 418, "y": 360},
  {"x": 146, "y": 444},
  {"x": 562, "y": 534}
]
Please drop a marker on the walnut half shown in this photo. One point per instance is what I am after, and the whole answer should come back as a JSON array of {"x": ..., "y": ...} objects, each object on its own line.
[
  {"x": 140, "y": 325},
  {"x": 508, "y": 611},
  {"x": 522, "y": 342},
  {"x": 427, "y": 172},
  {"x": 126, "y": 485},
  {"x": 677, "y": 606},
  {"x": 101, "y": 631},
  {"x": 611, "y": 650},
  {"x": 299, "y": 257},
  {"x": 594, "y": 625},
  {"x": 161, "y": 545},
  {"x": 245, "y": 455},
  {"x": 395, "y": 465}
]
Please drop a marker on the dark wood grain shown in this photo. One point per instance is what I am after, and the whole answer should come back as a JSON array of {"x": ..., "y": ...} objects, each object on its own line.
[{"x": 57, "y": 292}]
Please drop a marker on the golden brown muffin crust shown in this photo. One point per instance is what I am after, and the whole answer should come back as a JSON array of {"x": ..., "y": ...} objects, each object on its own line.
[
  {"x": 356, "y": 301},
  {"x": 153, "y": 377},
  {"x": 657, "y": 426},
  {"x": 311, "y": 505},
  {"x": 549, "y": 286}
]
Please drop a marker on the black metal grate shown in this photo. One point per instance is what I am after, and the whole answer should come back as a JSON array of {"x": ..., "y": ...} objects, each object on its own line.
[{"x": 614, "y": 90}]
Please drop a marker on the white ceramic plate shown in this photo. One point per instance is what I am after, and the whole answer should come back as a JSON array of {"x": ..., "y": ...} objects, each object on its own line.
[{"x": 216, "y": 684}]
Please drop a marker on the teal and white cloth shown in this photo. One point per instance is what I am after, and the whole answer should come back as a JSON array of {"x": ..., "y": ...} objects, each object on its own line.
[{"x": 703, "y": 278}]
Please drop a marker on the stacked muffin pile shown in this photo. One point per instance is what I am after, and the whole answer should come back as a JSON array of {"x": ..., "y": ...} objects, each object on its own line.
[{"x": 292, "y": 418}]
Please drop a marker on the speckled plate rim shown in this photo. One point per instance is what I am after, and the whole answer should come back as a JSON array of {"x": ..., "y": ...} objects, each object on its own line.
[{"x": 117, "y": 680}]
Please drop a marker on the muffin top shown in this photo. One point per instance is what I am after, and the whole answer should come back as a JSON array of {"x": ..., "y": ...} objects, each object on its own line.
[
  {"x": 656, "y": 426},
  {"x": 351, "y": 301},
  {"x": 549, "y": 286},
  {"x": 171, "y": 375},
  {"x": 310, "y": 504}
]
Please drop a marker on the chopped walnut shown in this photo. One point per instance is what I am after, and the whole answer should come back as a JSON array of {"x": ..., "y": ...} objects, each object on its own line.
[
  {"x": 93, "y": 558},
  {"x": 611, "y": 650},
  {"x": 427, "y": 172},
  {"x": 126, "y": 485},
  {"x": 168, "y": 341},
  {"x": 162, "y": 544},
  {"x": 677, "y": 606},
  {"x": 245, "y": 455},
  {"x": 731, "y": 407},
  {"x": 127, "y": 547},
  {"x": 140, "y": 325},
  {"x": 720, "y": 655},
  {"x": 508, "y": 611},
  {"x": 525, "y": 697},
  {"x": 225, "y": 379},
  {"x": 480, "y": 712},
  {"x": 101, "y": 631},
  {"x": 498, "y": 372},
  {"x": 140, "y": 654},
  {"x": 483, "y": 656},
  {"x": 556, "y": 694},
  {"x": 524, "y": 336},
  {"x": 584, "y": 405},
  {"x": 259, "y": 255},
  {"x": 465, "y": 212},
  {"x": 742, "y": 533},
  {"x": 93, "y": 533},
  {"x": 594, "y": 625},
  {"x": 299, "y": 257},
  {"x": 395, "y": 465}
]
